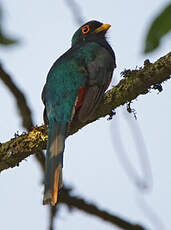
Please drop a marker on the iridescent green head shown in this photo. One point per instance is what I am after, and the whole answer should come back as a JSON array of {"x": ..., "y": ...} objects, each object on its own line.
[{"x": 90, "y": 31}]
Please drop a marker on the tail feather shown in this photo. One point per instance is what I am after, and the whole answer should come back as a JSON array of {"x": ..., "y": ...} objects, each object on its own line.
[{"x": 54, "y": 161}]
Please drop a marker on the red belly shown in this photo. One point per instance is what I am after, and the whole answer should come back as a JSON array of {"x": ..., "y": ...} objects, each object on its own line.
[{"x": 80, "y": 97}]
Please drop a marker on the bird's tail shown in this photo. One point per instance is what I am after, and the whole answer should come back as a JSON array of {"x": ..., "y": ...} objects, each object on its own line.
[{"x": 54, "y": 161}]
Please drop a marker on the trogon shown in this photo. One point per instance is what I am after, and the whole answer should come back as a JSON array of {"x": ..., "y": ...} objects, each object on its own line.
[{"x": 75, "y": 86}]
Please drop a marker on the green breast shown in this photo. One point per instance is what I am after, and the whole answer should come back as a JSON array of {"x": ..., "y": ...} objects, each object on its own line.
[{"x": 65, "y": 78}]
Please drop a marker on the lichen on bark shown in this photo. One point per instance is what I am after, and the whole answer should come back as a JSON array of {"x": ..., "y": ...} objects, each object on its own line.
[{"x": 133, "y": 83}]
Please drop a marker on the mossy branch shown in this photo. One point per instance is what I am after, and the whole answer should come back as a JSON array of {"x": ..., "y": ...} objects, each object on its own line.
[{"x": 133, "y": 84}]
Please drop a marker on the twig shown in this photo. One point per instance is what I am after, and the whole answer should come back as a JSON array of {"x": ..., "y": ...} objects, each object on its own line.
[
  {"x": 76, "y": 11},
  {"x": 90, "y": 208},
  {"x": 21, "y": 101}
]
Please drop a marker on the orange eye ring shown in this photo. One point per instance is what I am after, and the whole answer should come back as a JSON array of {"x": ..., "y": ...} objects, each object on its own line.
[{"x": 85, "y": 29}]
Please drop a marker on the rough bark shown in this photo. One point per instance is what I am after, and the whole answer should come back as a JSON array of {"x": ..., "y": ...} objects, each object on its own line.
[{"x": 133, "y": 84}]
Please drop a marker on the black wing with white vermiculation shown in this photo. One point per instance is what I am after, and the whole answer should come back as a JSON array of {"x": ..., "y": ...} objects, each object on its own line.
[{"x": 100, "y": 72}]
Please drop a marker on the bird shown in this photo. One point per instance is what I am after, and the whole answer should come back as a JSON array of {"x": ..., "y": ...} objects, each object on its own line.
[{"x": 75, "y": 86}]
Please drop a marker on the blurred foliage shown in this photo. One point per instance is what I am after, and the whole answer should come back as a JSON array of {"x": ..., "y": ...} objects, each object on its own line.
[
  {"x": 4, "y": 39},
  {"x": 159, "y": 27}
]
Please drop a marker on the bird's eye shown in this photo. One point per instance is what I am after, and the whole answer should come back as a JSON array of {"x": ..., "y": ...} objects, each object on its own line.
[{"x": 85, "y": 29}]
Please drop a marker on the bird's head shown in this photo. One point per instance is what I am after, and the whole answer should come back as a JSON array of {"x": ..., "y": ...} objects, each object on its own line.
[{"x": 92, "y": 30}]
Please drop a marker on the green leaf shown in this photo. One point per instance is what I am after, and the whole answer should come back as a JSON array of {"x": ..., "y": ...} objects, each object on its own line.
[{"x": 159, "y": 27}]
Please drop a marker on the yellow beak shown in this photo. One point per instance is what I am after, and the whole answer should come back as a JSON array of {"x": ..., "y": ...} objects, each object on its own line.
[{"x": 103, "y": 27}]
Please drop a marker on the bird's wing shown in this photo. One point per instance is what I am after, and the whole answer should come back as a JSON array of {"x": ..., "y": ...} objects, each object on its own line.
[{"x": 100, "y": 74}]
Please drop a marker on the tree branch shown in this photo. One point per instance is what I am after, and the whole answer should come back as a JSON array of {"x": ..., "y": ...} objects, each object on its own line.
[
  {"x": 19, "y": 96},
  {"x": 22, "y": 106},
  {"x": 134, "y": 83},
  {"x": 77, "y": 202}
]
